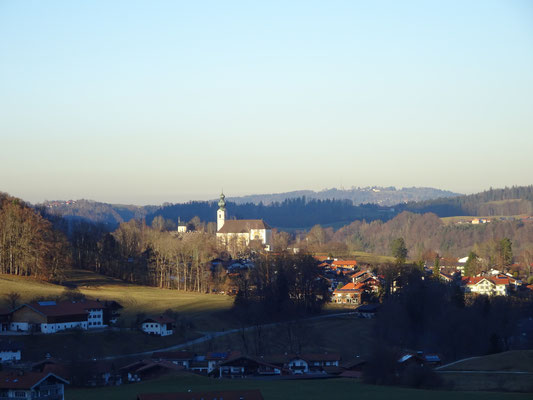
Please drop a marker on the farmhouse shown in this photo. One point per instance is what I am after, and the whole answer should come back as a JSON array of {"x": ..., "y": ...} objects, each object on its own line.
[
  {"x": 51, "y": 316},
  {"x": 305, "y": 363},
  {"x": 344, "y": 264},
  {"x": 486, "y": 286},
  {"x": 31, "y": 385},
  {"x": 348, "y": 294},
  {"x": 241, "y": 231},
  {"x": 161, "y": 326},
  {"x": 9, "y": 352}
]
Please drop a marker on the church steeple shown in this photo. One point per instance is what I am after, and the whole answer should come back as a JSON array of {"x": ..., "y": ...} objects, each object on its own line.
[{"x": 221, "y": 213}]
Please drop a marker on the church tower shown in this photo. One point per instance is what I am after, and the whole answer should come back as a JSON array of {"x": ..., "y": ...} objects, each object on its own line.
[{"x": 221, "y": 213}]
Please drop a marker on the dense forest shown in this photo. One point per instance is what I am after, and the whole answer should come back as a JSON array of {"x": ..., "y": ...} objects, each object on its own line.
[
  {"x": 509, "y": 201},
  {"x": 29, "y": 245},
  {"x": 424, "y": 234},
  {"x": 294, "y": 213}
]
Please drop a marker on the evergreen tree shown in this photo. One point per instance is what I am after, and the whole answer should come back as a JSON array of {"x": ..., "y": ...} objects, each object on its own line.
[{"x": 399, "y": 250}]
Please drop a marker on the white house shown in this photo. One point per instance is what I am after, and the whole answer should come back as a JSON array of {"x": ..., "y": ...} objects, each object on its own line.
[
  {"x": 52, "y": 317},
  {"x": 161, "y": 326},
  {"x": 9, "y": 352},
  {"x": 241, "y": 231},
  {"x": 31, "y": 385},
  {"x": 486, "y": 286}
]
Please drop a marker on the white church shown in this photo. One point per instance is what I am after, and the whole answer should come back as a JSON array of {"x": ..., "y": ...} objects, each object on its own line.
[{"x": 242, "y": 231}]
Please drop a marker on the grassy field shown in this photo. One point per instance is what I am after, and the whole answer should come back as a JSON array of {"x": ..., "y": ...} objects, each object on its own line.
[
  {"x": 493, "y": 372},
  {"x": 517, "y": 360},
  {"x": 339, "y": 389},
  {"x": 346, "y": 335},
  {"x": 206, "y": 311}
]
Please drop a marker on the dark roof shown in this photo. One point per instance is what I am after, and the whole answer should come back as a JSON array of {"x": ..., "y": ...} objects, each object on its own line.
[
  {"x": 161, "y": 319},
  {"x": 242, "y": 225},
  {"x": 285, "y": 358},
  {"x": 25, "y": 380},
  {"x": 52, "y": 308},
  {"x": 173, "y": 355},
  {"x": 10, "y": 346},
  {"x": 224, "y": 394}
]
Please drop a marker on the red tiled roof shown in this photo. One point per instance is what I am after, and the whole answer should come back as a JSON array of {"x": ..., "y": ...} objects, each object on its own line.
[
  {"x": 26, "y": 380},
  {"x": 52, "y": 308},
  {"x": 474, "y": 280},
  {"x": 340, "y": 263},
  {"x": 253, "y": 394},
  {"x": 352, "y": 286}
]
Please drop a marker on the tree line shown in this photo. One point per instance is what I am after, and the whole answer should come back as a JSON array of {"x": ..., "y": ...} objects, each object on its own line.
[
  {"x": 424, "y": 236},
  {"x": 29, "y": 245}
]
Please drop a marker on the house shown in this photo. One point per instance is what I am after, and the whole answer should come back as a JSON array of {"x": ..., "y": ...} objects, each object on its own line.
[
  {"x": 9, "y": 352},
  {"x": 147, "y": 369},
  {"x": 5, "y": 316},
  {"x": 52, "y": 317},
  {"x": 348, "y": 294},
  {"x": 486, "y": 285},
  {"x": 353, "y": 368},
  {"x": 299, "y": 364},
  {"x": 241, "y": 232},
  {"x": 214, "y": 395},
  {"x": 183, "y": 358},
  {"x": 242, "y": 366},
  {"x": 161, "y": 326},
  {"x": 31, "y": 385}
]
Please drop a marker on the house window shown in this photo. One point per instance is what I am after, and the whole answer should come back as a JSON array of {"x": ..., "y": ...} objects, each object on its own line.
[{"x": 20, "y": 394}]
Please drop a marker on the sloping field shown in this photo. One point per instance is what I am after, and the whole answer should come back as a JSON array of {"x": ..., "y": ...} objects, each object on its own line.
[
  {"x": 516, "y": 360},
  {"x": 509, "y": 371},
  {"x": 339, "y": 389},
  {"x": 206, "y": 311}
]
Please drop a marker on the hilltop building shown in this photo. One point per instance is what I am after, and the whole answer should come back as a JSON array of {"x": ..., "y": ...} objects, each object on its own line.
[{"x": 241, "y": 231}]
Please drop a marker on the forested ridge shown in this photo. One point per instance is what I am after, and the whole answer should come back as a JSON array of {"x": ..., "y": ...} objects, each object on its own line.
[
  {"x": 508, "y": 201},
  {"x": 40, "y": 243}
]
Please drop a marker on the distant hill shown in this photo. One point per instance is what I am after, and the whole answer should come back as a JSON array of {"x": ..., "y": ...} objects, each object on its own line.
[
  {"x": 109, "y": 214},
  {"x": 383, "y": 196},
  {"x": 303, "y": 211}
]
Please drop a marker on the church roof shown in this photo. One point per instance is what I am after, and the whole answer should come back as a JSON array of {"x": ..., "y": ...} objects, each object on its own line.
[{"x": 242, "y": 225}]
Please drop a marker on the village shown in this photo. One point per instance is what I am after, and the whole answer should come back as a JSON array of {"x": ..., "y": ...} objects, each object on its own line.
[{"x": 355, "y": 288}]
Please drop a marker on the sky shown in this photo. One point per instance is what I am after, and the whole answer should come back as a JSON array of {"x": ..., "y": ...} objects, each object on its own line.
[{"x": 145, "y": 102}]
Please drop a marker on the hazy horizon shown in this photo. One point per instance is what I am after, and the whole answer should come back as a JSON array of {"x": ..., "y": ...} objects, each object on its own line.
[
  {"x": 208, "y": 197},
  {"x": 139, "y": 102}
]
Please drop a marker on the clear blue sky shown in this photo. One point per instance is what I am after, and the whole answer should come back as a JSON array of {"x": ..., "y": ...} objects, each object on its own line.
[{"x": 152, "y": 101}]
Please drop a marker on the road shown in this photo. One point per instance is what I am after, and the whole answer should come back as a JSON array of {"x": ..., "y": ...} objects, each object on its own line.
[{"x": 212, "y": 335}]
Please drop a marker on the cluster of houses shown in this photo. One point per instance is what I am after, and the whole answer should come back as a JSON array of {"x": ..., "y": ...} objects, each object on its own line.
[
  {"x": 350, "y": 284},
  {"x": 50, "y": 317}
]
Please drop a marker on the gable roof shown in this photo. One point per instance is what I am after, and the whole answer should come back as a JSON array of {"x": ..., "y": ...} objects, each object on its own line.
[
  {"x": 340, "y": 263},
  {"x": 242, "y": 225},
  {"x": 173, "y": 355},
  {"x": 253, "y": 394},
  {"x": 25, "y": 380},
  {"x": 53, "y": 309},
  {"x": 161, "y": 319},
  {"x": 474, "y": 280}
]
